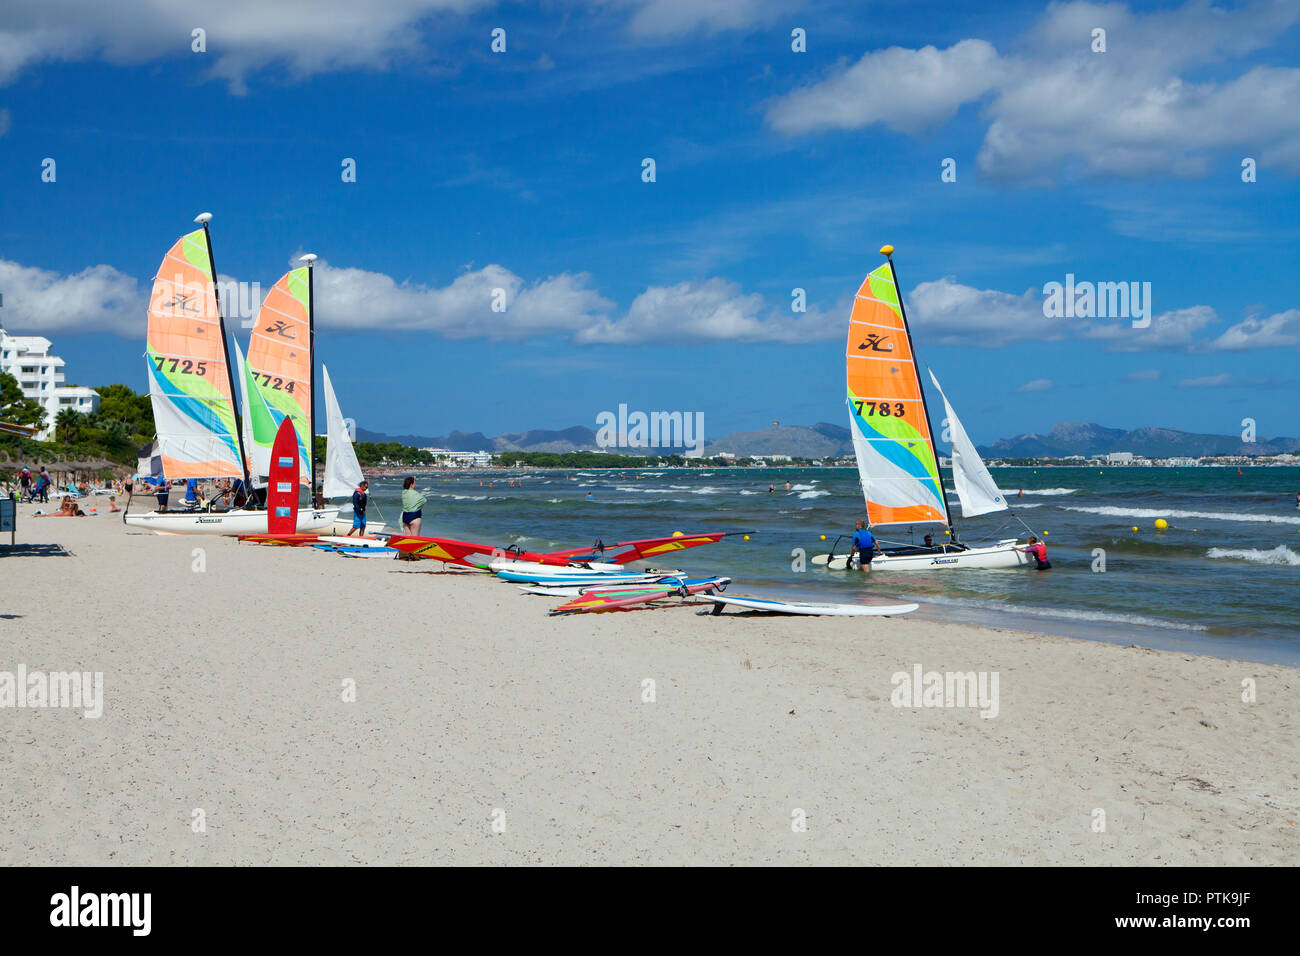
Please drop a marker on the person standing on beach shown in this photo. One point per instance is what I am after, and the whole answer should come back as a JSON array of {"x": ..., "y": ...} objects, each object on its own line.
[
  {"x": 43, "y": 481},
  {"x": 412, "y": 507},
  {"x": 360, "y": 499},
  {"x": 25, "y": 485}
]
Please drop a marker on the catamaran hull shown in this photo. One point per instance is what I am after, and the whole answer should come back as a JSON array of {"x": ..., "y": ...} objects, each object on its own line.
[
  {"x": 1000, "y": 556},
  {"x": 225, "y": 522}
]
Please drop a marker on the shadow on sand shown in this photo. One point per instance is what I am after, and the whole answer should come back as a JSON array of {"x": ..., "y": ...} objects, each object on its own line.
[{"x": 34, "y": 551}]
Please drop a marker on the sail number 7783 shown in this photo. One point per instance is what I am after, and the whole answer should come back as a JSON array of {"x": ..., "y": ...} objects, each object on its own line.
[{"x": 887, "y": 409}]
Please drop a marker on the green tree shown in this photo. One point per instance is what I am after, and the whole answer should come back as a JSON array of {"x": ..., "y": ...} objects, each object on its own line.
[
  {"x": 17, "y": 409},
  {"x": 68, "y": 424}
]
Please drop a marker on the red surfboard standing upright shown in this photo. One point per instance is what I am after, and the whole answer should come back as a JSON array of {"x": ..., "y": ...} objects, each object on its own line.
[{"x": 282, "y": 483}]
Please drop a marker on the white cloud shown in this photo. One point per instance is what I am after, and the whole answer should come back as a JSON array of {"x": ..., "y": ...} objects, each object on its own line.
[
  {"x": 907, "y": 90},
  {"x": 1054, "y": 105},
  {"x": 348, "y": 298},
  {"x": 97, "y": 299},
  {"x": 1281, "y": 330},
  {"x": 307, "y": 38},
  {"x": 242, "y": 35},
  {"x": 661, "y": 19},
  {"x": 1037, "y": 385},
  {"x": 945, "y": 312},
  {"x": 711, "y": 310},
  {"x": 1222, "y": 380},
  {"x": 1169, "y": 330},
  {"x": 1144, "y": 375}
]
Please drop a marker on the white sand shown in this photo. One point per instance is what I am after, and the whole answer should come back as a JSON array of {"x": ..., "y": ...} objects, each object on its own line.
[{"x": 224, "y": 693}]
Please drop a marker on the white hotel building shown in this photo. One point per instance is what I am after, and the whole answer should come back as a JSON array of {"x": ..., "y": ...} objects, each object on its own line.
[{"x": 40, "y": 375}]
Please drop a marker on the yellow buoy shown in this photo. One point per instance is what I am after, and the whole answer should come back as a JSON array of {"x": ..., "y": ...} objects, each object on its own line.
[
  {"x": 746, "y": 537},
  {"x": 677, "y": 534},
  {"x": 823, "y": 537},
  {"x": 1046, "y": 533},
  {"x": 1135, "y": 527},
  {"x": 1161, "y": 524}
]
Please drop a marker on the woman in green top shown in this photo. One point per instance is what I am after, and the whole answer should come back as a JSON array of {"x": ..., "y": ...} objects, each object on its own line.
[{"x": 412, "y": 507}]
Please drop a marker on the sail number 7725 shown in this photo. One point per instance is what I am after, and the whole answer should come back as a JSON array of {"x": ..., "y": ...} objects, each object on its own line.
[{"x": 185, "y": 366}]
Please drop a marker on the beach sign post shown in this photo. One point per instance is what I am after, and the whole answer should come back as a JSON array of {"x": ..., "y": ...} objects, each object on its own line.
[
  {"x": 9, "y": 518},
  {"x": 282, "y": 483}
]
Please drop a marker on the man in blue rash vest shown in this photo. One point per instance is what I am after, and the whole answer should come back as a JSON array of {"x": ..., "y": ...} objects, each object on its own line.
[
  {"x": 864, "y": 543},
  {"x": 360, "y": 498}
]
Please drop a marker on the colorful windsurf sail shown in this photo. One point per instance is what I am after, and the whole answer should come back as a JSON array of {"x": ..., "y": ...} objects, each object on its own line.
[
  {"x": 615, "y": 600},
  {"x": 891, "y": 430},
  {"x": 280, "y": 361},
  {"x": 190, "y": 384},
  {"x": 481, "y": 555}
]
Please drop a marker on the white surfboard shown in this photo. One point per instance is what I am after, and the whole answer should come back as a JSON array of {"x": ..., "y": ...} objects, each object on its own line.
[{"x": 801, "y": 607}]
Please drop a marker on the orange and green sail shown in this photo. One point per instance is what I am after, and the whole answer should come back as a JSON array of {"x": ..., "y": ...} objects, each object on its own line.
[
  {"x": 891, "y": 433},
  {"x": 189, "y": 378},
  {"x": 280, "y": 364}
]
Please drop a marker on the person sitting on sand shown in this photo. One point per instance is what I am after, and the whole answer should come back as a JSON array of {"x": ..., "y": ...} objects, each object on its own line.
[
  {"x": 864, "y": 543},
  {"x": 112, "y": 503},
  {"x": 70, "y": 508},
  {"x": 412, "y": 506},
  {"x": 1038, "y": 550}
]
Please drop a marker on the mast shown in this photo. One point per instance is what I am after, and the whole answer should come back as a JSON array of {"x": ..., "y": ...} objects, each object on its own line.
[
  {"x": 205, "y": 218},
  {"x": 888, "y": 252},
  {"x": 310, "y": 258}
]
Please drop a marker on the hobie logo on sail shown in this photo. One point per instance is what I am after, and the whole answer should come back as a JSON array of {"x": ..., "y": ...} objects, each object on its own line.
[
  {"x": 877, "y": 343},
  {"x": 1099, "y": 300}
]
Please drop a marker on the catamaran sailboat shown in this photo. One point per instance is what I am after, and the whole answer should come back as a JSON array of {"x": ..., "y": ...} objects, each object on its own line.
[
  {"x": 201, "y": 433},
  {"x": 894, "y": 444}
]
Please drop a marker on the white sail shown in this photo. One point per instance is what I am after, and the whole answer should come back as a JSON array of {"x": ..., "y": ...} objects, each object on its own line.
[
  {"x": 259, "y": 458},
  {"x": 342, "y": 471},
  {"x": 976, "y": 488}
]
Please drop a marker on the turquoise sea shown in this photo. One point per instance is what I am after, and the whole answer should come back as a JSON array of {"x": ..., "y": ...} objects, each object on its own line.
[{"x": 1224, "y": 579}]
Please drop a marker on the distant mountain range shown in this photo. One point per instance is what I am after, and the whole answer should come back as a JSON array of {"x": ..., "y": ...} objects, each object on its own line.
[
  {"x": 824, "y": 440},
  {"x": 1082, "y": 438}
]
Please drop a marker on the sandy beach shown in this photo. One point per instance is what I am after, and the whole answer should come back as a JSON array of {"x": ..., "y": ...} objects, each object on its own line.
[{"x": 485, "y": 732}]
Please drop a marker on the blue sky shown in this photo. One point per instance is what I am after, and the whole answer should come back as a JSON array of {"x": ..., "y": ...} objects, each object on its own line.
[{"x": 775, "y": 170}]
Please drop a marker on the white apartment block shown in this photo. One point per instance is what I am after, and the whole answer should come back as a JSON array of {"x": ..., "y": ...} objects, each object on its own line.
[
  {"x": 40, "y": 375},
  {"x": 461, "y": 459}
]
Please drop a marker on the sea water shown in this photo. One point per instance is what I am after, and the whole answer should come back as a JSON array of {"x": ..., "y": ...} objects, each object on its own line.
[{"x": 1224, "y": 579}]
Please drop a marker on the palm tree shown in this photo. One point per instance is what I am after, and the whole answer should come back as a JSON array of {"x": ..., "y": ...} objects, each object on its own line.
[{"x": 69, "y": 421}]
